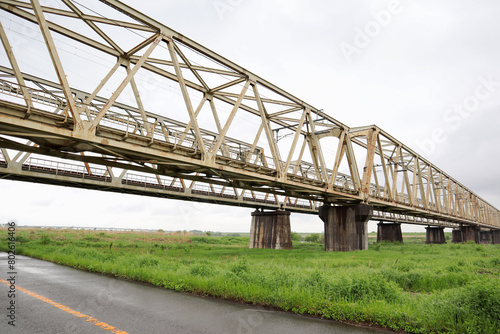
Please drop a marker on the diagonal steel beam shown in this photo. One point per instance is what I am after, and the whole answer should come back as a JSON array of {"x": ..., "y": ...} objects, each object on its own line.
[
  {"x": 66, "y": 13},
  {"x": 92, "y": 25},
  {"x": 189, "y": 126},
  {"x": 351, "y": 160},
  {"x": 338, "y": 158},
  {"x": 140, "y": 17},
  {"x": 230, "y": 119},
  {"x": 15, "y": 67},
  {"x": 267, "y": 128},
  {"x": 61, "y": 30},
  {"x": 368, "y": 169},
  {"x": 316, "y": 150},
  {"x": 187, "y": 99},
  {"x": 124, "y": 83},
  {"x": 228, "y": 84},
  {"x": 188, "y": 63},
  {"x": 294, "y": 143},
  {"x": 96, "y": 91},
  {"x": 254, "y": 144},
  {"x": 56, "y": 61},
  {"x": 140, "y": 105}
]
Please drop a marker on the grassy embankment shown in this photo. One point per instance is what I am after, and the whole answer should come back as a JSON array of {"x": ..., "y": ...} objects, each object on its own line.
[{"x": 412, "y": 287}]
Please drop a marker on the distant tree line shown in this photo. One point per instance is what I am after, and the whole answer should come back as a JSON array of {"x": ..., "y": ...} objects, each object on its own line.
[{"x": 316, "y": 237}]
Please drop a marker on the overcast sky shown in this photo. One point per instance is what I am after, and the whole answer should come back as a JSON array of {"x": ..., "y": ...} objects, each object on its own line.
[{"x": 427, "y": 72}]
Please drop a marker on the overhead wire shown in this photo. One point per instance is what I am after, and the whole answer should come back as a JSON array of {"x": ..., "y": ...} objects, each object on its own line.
[{"x": 162, "y": 46}]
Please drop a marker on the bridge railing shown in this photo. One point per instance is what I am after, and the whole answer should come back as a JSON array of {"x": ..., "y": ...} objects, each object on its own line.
[
  {"x": 164, "y": 183},
  {"x": 57, "y": 168},
  {"x": 65, "y": 169},
  {"x": 409, "y": 219},
  {"x": 120, "y": 118}
]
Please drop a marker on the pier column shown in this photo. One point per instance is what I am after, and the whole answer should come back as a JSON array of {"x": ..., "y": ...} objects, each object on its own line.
[
  {"x": 271, "y": 230},
  {"x": 389, "y": 232},
  {"x": 495, "y": 237},
  {"x": 456, "y": 236},
  {"x": 346, "y": 226},
  {"x": 470, "y": 233},
  {"x": 485, "y": 237},
  {"x": 467, "y": 233},
  {"x": 434, "y": 235}
]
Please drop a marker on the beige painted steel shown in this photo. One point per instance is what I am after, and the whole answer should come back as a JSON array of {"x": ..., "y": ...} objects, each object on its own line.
[{"x": 93, "y": 132}]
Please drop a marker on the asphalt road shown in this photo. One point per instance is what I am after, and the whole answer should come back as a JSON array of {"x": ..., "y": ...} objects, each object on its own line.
[{"x": 51, "y": 298}]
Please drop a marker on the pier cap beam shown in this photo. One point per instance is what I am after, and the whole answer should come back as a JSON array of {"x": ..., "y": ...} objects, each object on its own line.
[{"x": 346, "y": 226}]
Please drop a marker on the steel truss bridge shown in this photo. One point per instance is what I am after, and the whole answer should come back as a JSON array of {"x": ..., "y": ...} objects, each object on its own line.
[{"x": 97, "y": 95}]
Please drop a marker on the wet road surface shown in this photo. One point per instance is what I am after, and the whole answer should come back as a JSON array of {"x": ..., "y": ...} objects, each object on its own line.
[{"x": 51, "y": 298}]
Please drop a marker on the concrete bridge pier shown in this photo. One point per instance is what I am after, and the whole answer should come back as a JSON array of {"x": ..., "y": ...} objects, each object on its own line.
[
  {"x": 466, "y": 233},
  {"x": 470, "y": 233},
  {"x": 495, "y": 237},
  {"x": 456, "y": 236},
  {"x": 434, "y": 235},
  {"x": 346, "y": 226},
  {"x": 389, "y": 232},
  {"x": 271, "y": 230},
  {"x": 485, "y": 237}
]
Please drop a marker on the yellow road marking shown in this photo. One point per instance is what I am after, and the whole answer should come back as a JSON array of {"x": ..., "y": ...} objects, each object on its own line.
[{"x": 96, "y": 322}]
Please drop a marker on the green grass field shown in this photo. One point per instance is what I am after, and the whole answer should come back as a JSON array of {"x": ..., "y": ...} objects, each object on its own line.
[{"x": 418, "y": 288}]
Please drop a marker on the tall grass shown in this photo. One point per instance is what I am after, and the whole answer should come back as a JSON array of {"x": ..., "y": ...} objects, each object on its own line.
[{"x": 412, "y": 287}]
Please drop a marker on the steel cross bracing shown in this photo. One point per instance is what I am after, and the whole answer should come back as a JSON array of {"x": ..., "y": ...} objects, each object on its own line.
[{"x": 117, "y": 101}]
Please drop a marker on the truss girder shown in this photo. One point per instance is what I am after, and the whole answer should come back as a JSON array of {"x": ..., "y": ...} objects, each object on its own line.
[{"x": 295, "y": 156}]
